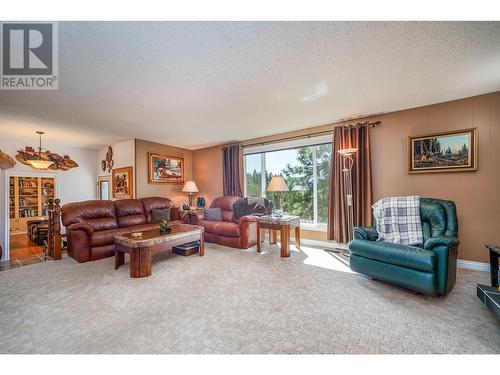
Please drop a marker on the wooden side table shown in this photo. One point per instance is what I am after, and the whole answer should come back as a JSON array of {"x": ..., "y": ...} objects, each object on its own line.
[{"x": 283, "y": 224}]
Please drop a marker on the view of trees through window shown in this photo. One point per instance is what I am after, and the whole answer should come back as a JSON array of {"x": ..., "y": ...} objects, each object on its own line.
[{"x": 306, "y": 171}]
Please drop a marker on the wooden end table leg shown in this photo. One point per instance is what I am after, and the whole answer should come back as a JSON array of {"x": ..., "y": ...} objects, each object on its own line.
[
  {"x": 119, "y": 258},
  {"x": 202, "y": 245},
  {"x": 140, "y": 262},
  {"x": 285, "y": 240},
  {"x": 273, "y": 236},
  {"x": 258, "y": 237},
  {"x": 297, "y": 237}
]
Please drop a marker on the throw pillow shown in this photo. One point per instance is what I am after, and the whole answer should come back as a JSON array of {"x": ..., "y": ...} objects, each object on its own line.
[
  {"x": 158, "y": 214},
  {"x": 213, "y": 214}
]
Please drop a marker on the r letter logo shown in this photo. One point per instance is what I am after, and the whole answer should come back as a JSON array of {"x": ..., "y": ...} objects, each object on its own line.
[{"x": 29, "y": 58}]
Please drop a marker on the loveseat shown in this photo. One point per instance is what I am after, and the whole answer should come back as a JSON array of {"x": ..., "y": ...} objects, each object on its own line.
[
  {"x": 91, "y": 225},
  {"x": 428, "y": 269},
  {"x": 239, "y": 233}
]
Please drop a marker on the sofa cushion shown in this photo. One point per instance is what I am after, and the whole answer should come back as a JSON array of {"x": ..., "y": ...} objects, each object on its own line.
[
  {"x": 100, "y": 215},
  {"x": 155, "y": 202},
  {"x": 213, "y": 214},
  {"x": 106, "y": 237},
  {"x": 401, "y": 255},
  {"x": 130, "y": 212},
  {"x": 221, "y": 228}
]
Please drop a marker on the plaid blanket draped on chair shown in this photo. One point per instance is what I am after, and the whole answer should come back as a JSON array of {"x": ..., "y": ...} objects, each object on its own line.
[{"x": 398, "y": 220}]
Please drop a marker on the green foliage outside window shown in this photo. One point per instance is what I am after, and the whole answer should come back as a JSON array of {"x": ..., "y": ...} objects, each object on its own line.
[{"x": 299, "y": 178}]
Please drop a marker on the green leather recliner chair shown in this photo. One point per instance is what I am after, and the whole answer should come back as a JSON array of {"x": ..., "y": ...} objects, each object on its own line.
[{"x": 427, "y": 269}]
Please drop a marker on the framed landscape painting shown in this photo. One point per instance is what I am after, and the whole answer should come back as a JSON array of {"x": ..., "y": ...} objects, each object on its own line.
[
  {"x": 123, "y": 183},
  {"x": 453, "y": 151},
  {"x": 165, "y": 169}
]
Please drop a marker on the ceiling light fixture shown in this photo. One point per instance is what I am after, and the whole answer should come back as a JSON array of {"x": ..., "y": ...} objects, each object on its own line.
[{"x": 40, "y": 162}]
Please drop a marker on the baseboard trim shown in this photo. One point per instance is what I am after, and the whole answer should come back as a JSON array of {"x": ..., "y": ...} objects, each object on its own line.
[
  {"x": 461, "y": 263},
  {"x": 472, "y": 265},
  {"x": 323, "y": 244}
]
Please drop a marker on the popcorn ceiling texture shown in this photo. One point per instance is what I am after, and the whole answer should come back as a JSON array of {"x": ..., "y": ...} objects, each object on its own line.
[{"x": 194, "y": 84}]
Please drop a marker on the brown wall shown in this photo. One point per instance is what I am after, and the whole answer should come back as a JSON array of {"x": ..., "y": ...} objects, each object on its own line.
[
  {"x": 207, "y": 172},
  {"x": 171, "y": 191},
  {"x": 476, "y": 194}
]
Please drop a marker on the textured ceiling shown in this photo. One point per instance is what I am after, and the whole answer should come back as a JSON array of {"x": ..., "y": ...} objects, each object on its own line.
[{"x": 193, "y": 84}]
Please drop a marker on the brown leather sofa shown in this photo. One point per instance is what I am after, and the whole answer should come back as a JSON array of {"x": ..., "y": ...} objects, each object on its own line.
[
  {"x": 91, "y": 225},
  {"x": 241, "y": 233}
]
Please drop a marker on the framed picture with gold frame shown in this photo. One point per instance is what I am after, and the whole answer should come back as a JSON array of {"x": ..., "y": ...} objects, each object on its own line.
[
  {"x": 123, "y": 183},
  {"x": 451, "y": 151},
  {"x": 165, "y": 169}
]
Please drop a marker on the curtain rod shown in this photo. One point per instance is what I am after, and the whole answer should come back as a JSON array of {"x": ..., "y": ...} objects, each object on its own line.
[{"x": 324, "y": 132}]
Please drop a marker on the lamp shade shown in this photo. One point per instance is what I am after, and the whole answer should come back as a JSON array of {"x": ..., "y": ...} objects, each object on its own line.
[
  {"x": 277, "y": 183},
  {"x": 347, "y": 151},
  {"x": 40, "y": 163},
  {"x": 190, "y": 187}
]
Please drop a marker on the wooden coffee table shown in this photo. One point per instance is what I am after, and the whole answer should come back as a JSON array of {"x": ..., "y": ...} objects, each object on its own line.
[
  {"x": 279, "y": 223},
  {"x": 142, "y": 249}
]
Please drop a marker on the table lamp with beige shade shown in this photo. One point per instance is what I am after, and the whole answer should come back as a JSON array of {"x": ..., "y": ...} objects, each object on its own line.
[
  {"x": 277, "y": 185},
  {"x": 190, "y": 188}
]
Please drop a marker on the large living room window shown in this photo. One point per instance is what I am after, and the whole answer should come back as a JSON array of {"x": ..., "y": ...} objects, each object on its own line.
[{"x": 305, "y": 165}]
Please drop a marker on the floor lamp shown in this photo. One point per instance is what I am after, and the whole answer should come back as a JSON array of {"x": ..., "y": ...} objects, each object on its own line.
[{"x": 347, "y": 163}]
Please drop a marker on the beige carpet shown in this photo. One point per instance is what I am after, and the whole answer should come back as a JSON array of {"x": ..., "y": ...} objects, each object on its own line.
[{"x": 234, "y": 301}]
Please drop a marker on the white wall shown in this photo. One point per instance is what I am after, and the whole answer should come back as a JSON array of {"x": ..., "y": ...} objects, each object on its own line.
[
  {"x": 77, "y": 184},
  {"x": 123, "y": 156}
]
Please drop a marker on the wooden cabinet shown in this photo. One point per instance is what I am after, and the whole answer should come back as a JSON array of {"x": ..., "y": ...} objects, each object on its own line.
[{"x": 28, "y": 197}]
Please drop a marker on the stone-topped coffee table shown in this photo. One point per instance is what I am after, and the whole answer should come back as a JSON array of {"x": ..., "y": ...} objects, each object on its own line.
[
  {"x": 141, "y": 249},
  {"x": 282, "y": 223}
]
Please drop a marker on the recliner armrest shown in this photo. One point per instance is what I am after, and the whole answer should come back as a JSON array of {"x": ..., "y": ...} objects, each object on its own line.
[
  {"x": 448, "y": 241},
  {"x": 81, "y": 226},
  {"x": 247, "y": 218},
  {"x": 248, "y": 231},
  {"x": 365, "y": 233}
]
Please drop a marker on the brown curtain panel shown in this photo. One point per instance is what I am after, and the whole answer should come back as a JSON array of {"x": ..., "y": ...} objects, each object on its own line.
[
  {"x": 357, "y": 136},
  {"x": 232, "y": 170}
]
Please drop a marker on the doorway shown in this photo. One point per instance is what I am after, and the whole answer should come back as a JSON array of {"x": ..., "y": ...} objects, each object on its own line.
[
  {"x": 26, "y": 197},
  {"x": 104, "y": 187}
]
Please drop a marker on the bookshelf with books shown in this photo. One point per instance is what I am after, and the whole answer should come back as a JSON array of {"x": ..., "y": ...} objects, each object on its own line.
[{"x": 28, "y": 200}]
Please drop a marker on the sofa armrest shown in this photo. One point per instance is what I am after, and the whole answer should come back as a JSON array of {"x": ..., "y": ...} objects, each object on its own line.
[
  {"x": 247, "y": 218},
  {"x": 365, "y": 233},
  {"x": 448, "y": 241},
  {"x": 248, "y": 231},
  {"x": 81, "y": 226}
]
